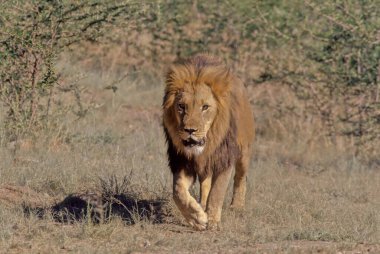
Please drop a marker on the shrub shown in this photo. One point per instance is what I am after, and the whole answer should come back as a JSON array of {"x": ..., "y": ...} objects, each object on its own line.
[
  {"x": 327, "y": 53},
  {"x": 32, "y": 35},
  {"x": 331, "y": 62}
]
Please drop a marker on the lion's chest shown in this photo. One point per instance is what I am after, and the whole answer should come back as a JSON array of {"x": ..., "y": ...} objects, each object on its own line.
[{"x": 221, "y": 159}]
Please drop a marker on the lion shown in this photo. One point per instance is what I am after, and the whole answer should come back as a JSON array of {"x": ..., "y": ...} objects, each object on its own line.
[{"x": 209, "y": 129}]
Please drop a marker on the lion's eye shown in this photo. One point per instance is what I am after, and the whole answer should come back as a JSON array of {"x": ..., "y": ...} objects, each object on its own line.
[
  {"x": 205, "y": 107},
  {"x": 181, "y": 107}
]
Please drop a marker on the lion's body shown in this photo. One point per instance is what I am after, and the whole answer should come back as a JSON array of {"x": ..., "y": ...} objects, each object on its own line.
[{"x": 209, "y": 128}]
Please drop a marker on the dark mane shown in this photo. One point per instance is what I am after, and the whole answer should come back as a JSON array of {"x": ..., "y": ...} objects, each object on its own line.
[
  {"x": 225, "y": 155},
  {"x": 222, "y": 158}
]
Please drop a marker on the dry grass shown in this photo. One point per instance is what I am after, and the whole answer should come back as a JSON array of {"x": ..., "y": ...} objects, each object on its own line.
[{"x": 301, "y": 198}]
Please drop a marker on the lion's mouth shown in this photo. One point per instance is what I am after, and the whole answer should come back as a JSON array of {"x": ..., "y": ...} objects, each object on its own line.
[{"x": 192, "y": 142}]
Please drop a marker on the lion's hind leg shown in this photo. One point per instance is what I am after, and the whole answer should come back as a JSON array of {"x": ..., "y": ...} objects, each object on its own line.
[
  {"x": 240, "y": 181},
  {"x": 189, "y": 207}
]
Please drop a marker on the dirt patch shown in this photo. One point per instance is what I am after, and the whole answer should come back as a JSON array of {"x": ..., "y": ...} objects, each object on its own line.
[
  {"x": 12, "y": 195},
  {"x": 315, "y": 247}
]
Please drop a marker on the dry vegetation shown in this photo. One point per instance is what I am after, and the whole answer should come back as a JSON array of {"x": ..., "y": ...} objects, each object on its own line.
[
  {"x": 313, "y": 184},
  {"x": 301, "y": 198}
]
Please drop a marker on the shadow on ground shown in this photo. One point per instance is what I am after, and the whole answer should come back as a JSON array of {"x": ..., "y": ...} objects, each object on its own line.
[
  {"x": 96, "y": 207},
  {"x": 99, "y": 208}
]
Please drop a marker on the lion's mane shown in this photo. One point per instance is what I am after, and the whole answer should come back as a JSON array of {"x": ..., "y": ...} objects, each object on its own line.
[{"x": 222, "y": 148}]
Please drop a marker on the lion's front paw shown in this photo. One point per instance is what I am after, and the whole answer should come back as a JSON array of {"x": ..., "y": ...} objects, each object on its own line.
[
  {"x": 213, "y": 225},
  {"x": 198, "y": 221},
  {"x": 237, "y": 207}
]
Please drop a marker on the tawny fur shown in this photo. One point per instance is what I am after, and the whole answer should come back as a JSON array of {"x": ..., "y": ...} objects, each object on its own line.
[{"x": 228, "y": 138}]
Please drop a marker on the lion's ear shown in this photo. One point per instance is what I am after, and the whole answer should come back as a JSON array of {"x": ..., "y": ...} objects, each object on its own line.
[
  {"x": 176, "y": 75},
  {"x": 170, "y": 76},
  {"x": 220, "y": 81},
  {"x": 170, "y": 72},
  {"x": 174, "y": 84},
  {"x": 168, "y": 100}
]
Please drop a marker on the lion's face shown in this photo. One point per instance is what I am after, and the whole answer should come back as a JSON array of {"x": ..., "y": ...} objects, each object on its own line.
[{"x": 195, "y": 111}]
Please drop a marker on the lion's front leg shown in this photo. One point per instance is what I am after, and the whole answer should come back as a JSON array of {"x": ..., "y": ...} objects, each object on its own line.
[
  {"x": 216, "y": 198},
  {"x": 189, "y": 207},
  {"x": 205, "y": 185}
]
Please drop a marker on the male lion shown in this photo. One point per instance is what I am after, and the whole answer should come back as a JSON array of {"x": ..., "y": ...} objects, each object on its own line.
[{"x": 209, "y": 129}]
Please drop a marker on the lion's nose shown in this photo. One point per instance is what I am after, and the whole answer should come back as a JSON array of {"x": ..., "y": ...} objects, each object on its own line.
[{"x": 190, "y": 130}]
